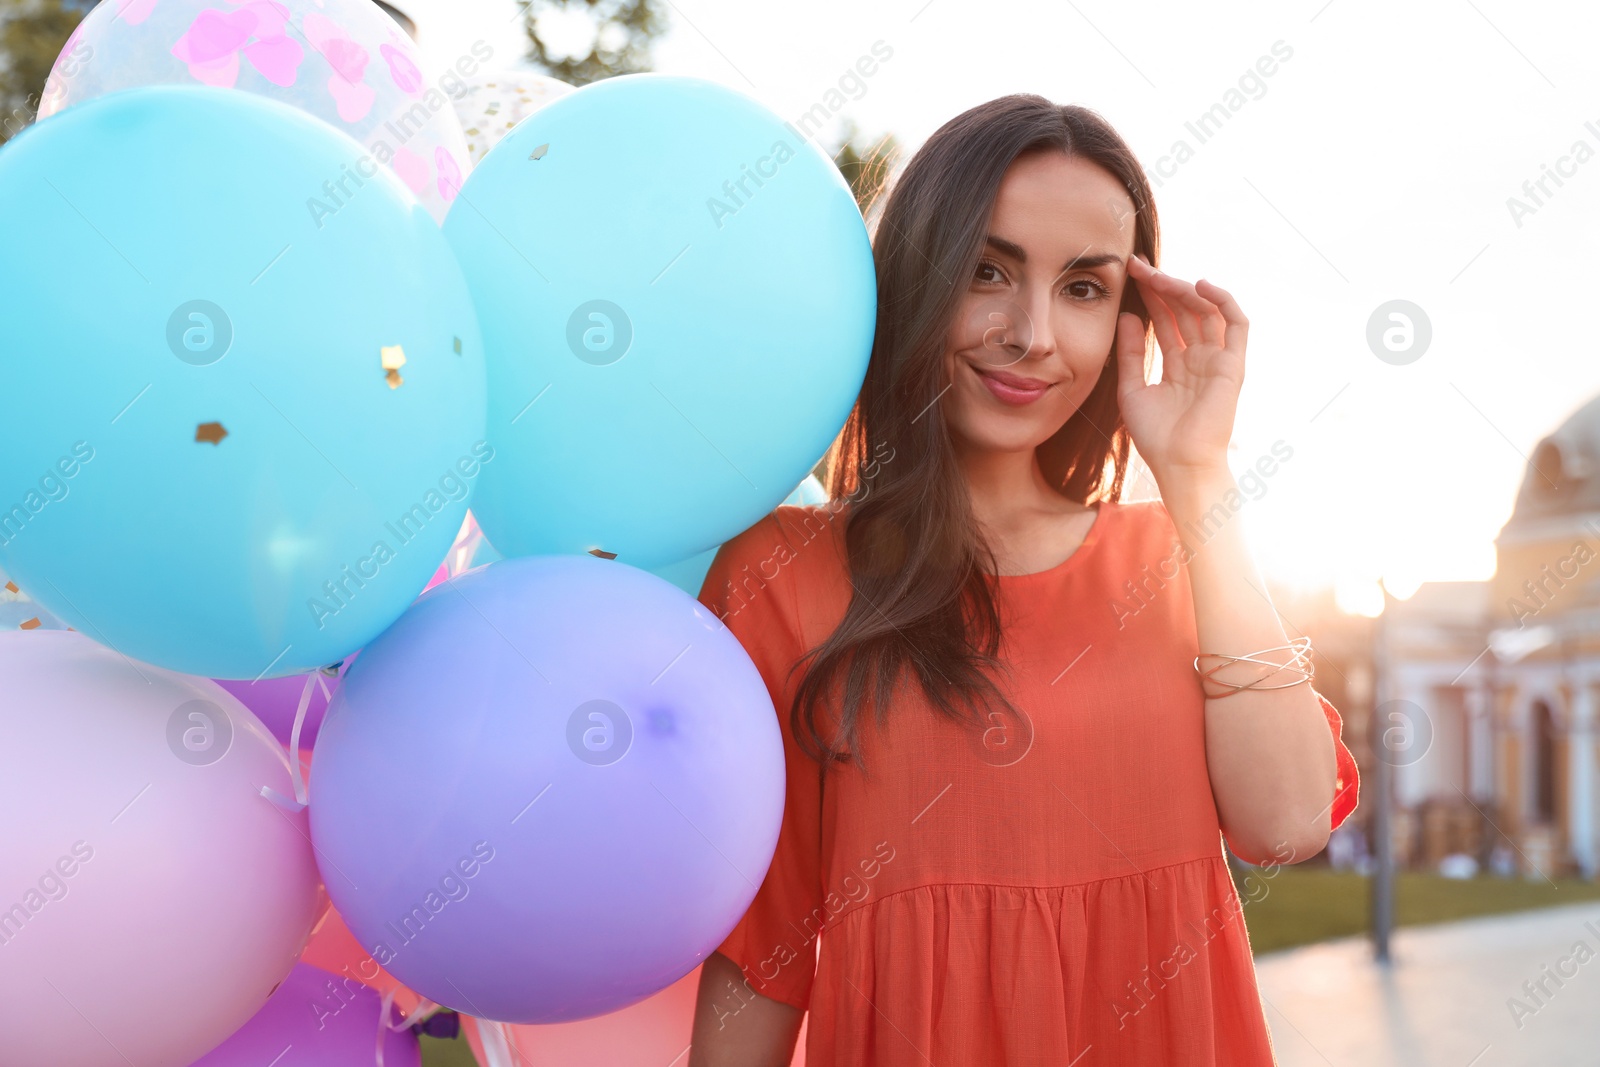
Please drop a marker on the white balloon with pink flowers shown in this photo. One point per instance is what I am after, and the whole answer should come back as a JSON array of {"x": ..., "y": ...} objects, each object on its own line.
[{"x": 344, "y": 61}]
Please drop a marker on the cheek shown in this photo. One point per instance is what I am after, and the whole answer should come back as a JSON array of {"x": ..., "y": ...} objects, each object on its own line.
[
  {"x": 966, "y": 332},
  {"x": 1086, "y": 346},
  {"x": 995, "y": 326},
  {"x": 1086, "y": 340}
]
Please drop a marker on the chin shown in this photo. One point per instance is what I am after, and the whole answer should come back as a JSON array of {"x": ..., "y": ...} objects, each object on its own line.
[{"x": 989, "y": 434}]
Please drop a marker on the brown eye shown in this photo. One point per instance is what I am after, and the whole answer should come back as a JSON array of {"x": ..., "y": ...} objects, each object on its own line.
[
  {"x": 1087, "y": 289},
  {"x": 985, "y": 265}
]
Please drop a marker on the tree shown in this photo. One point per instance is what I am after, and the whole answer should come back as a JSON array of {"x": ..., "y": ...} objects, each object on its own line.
[
  {"x": 32, "y": 33},
  {"x": 623, "y": 33},
  {"x": 865, "y": 167}
]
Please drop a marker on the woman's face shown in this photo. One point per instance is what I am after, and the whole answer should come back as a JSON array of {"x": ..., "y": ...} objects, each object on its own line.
[{"x": 1035, "y": 328}]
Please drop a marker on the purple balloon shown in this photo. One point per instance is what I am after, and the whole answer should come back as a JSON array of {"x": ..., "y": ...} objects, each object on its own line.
[
  {"x": 596, "y": 817},
  {"x": 275, "y": 701},
  {"x": 316, "y": 1019}
]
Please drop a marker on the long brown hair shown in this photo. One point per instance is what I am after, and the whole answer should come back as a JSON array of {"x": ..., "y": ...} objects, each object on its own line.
[{"x": 924, "y": 594}]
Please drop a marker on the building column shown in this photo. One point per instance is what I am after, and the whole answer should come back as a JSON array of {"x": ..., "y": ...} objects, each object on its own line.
[
  {"x": 1480, "y": 743},
  {"x": 1581, "y": 779},
  {"x": 1509, "y": 785}
]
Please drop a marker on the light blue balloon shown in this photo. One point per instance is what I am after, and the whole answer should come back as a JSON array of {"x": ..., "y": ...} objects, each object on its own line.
[
  {"x": 203, "y": 461},
  {"x": 689, "y": 574},
  {"x": 18, "y": 610},
  {"x": 678, "y": 300}
]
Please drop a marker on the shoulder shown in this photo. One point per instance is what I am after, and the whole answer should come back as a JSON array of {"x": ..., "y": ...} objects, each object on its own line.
[
  {"x": 772, "y": 571},
  {"x": 1141, "y": 533},
  {"x": 1142, "y": 521},
  {"x": 809, "y": 534}
]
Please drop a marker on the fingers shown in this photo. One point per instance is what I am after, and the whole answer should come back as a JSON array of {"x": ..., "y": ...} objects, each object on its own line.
[
  {"x": 1130, "y": 349},
  {"x": 1161, "y": 316},
  {"x": 1237, "y": 327},
  {"x": 1198, "y": 319}
]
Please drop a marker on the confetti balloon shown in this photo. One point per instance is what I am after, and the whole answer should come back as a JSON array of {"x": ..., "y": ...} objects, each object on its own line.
[
  {"x": 18, "y": 611},
  {"x": 154, "y": 894},
  {"x": 491, "y": 103},
  {"x": 678, "y": 298},
  {"x": 344, "y": 61},
  {"x": 597, "y": 817},
  {"x": 249, "y": 439}
]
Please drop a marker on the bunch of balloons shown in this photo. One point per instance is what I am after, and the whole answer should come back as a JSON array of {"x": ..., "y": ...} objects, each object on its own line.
[{"x": 285, "y": 300}]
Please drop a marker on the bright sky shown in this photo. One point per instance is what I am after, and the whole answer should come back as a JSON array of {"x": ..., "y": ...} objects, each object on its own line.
[{"x": 1373, "y": 164}]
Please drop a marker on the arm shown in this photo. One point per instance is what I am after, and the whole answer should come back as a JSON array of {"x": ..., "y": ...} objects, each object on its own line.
[
  {"x": 1270, "y": 753},
  {"x": 734, "y": 1026}
]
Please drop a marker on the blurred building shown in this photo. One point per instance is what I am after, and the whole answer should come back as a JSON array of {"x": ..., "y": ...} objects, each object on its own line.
[{"x": 1490, "y": 707}]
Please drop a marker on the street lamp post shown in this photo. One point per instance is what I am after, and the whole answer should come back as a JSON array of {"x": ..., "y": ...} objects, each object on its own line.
[{"x": 1382, "y": 789}]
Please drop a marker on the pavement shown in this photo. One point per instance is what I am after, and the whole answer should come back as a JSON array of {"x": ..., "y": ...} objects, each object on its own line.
[{"x": 1492, "y": 992}]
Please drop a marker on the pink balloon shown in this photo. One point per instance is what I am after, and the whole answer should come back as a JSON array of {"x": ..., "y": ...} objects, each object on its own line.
[
  {"x": 334, "y": 948},
  {"x": 144, "y": 872},
  {"x": 651, "y": 1033}
]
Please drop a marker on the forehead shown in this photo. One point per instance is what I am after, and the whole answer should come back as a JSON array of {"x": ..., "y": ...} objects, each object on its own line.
[{"x": 1060, "y": 206}]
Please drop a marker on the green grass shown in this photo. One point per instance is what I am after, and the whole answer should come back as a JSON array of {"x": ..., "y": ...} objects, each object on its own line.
[
  {"x": 1302, "y": 906},
  {"x": 440, "y": 1053}
]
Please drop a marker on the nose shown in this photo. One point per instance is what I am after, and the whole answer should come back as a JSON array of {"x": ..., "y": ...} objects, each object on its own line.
[
  {"x": 1018, "y": 327},
  {"x": 1041, "y": 308}
]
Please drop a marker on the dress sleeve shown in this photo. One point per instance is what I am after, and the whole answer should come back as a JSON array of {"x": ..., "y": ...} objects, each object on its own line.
[
  {"x": 1347, "y": 783},
  {"x": 751, "y": 587}
]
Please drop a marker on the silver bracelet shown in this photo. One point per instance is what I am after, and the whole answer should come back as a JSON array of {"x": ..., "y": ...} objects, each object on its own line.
[{"x": 1300, "y": 663}]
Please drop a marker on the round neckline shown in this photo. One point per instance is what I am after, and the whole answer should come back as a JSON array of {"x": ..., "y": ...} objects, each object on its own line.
[{"x": 1101, "y": 511}]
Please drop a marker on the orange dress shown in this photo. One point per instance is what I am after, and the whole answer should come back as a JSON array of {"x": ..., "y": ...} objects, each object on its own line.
[{"x": 1052, "y": 891}]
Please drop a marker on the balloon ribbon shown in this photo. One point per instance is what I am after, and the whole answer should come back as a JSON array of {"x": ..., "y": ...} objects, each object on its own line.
[{"x": 297, "y": 773}]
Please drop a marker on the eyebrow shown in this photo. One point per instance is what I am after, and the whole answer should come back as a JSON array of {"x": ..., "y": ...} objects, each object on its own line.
[{"x": 1078, "y": 263}]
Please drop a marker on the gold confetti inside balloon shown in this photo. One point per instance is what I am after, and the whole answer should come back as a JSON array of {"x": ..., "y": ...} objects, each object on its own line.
[
  {"x": 394, "y": 357},
  {"x": 494, "y": 101},
  {"x": 18, "y": 610},
  {"x": 210, "y": 433}
]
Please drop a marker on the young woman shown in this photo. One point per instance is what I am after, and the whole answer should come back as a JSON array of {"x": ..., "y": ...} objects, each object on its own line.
[{"x": 1008, "y": 781}]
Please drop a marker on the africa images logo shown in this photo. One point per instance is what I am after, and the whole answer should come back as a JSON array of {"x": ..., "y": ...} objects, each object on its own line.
[{"x": 453, "y": 484}]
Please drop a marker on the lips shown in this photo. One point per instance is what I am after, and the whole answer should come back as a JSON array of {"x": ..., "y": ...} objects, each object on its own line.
[{"x": 1013, "y": 388}]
